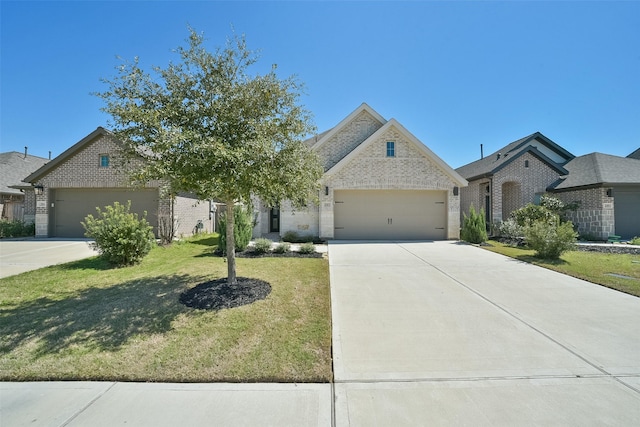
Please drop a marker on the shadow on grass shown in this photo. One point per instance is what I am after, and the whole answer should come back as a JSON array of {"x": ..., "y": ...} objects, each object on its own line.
[
  {"x": 96, "y": 318},
  {"x": 209, "y": 241},
  {"x": 93, "y": 263}
]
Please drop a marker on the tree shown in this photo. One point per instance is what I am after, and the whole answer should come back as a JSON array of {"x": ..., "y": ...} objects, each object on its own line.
[{"x": 206, "y": 126}]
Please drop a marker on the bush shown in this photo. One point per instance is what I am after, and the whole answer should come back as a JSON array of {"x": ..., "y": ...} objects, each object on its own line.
[
  {"x": 474, "y": 229},
  {"x": 120, "y": 236},
  {"x": 531, "y": 213},
  {"x": 242, "y": 228},
  {"x": 16, "y": 229},
  {"x": 282, "y": 248},
  {"x": 511, "y": 230},
  {"x": 635, "y": 241},
  {"x": 307, "y": 248},
  {"x": 293, "y": 237},
  {"x": 262, "y": 246},
  {"x": 550, "y": 239}
]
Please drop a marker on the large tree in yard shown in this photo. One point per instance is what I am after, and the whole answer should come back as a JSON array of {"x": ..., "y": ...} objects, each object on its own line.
[{"x": 207, "y": 126}]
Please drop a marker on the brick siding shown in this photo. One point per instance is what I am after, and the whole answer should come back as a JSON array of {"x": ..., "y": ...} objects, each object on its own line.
[{"x": 595, "y": 216}]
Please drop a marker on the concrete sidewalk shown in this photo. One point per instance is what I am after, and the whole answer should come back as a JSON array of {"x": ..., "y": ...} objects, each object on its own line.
[
  {"x": 443, "y": 333},
  {"x": 108, "y": 404},
  {"x": 21, "y": 255}
]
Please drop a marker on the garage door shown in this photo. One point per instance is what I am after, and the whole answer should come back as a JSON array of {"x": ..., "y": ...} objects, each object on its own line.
[
  {"x": 627, "y": 212},
  {"x": 390, "y": 214},
  {"x": 71, "y": 206}
]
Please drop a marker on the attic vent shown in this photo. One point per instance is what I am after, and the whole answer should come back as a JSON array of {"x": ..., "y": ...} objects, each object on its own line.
[{"x": 499, "y": 155}]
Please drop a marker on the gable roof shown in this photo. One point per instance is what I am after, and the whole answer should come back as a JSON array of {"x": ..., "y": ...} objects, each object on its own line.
[
  {"x": 66, "y": 154},
  {"x": 14, "y": 167},
  {"x": 598, "y": 169},
  {"x": 492, "y": 163},
  {"x": 635, "y": 154},
  {"x": 444, "y": 167},
  {"x": 326, "y": 136}
]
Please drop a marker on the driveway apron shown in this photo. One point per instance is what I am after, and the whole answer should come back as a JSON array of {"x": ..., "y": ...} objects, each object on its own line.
[{"x": 443, "y": 333}]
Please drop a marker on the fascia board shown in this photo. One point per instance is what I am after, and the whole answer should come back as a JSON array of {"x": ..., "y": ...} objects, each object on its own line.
[
  {"x": 363, "y": 107},
  {"x": 448, "y": 170}
]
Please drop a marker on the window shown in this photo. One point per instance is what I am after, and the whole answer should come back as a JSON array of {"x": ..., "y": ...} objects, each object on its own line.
[
  {"x": 104, "y": 160},
  {"x": 391, "y": 149}
]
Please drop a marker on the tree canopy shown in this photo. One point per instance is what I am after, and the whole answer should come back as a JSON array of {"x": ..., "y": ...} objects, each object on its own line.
[{"x": 205, "y": 125}]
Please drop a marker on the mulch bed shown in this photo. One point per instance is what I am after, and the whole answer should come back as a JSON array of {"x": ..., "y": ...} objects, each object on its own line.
[{"x": 217, "y": 294}]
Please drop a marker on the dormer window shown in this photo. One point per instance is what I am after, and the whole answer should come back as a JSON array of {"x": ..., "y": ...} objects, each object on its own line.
[
  {"x": 104, "y": 160},
  {"x": 391, "y": 149}
]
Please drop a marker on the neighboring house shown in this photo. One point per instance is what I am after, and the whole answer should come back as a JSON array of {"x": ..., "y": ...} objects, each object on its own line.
[
  {"x": 513, "y": 176},
  {"x": 14, "y": 166},
  {"x": 84, "y": 177},
  {"x": 608, "y": 189},
  {"x": 380, "y": 182},
  {"x": 635, "y": 155}
]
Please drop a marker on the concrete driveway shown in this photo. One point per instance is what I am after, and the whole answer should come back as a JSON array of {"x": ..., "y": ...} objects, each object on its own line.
[
  {"x": 443, "y": 333},
  {"x": 18, "y": 256}
]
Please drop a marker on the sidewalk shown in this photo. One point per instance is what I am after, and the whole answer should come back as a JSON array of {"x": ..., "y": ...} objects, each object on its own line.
[{"x": 107, "y": 404}]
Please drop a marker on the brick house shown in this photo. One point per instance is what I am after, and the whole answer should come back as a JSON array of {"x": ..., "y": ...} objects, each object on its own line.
[
  {"x": 72, "y": 185},
  {"x": 608, "y": 189},
  {"x": 13, "y": 167},
  {"x": 380, "y": 182},
  {"x": 513, "y": 176}
]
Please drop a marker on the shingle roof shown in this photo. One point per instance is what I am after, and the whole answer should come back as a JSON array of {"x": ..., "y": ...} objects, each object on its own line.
[
  {"x": 598, "y": 168},
  {"x": 496, "y": 161},
  {"x": 635, "y": 154},
  {"x": 14, "y": 167}
]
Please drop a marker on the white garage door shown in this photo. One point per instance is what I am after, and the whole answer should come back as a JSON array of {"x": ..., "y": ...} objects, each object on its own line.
[
  {"x": 390, "y": 214},
  {"x": 71, "y": 206}
]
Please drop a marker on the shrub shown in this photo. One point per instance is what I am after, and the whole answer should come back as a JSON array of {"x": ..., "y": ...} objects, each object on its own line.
[
  {"x": 290, "y": 236},
  {"x": 282, "y": 248},
  {"x": 474, "y": 229},
  {"x": 635, "y": 241},
  {"x": 307, "y": 248},
  {"x": 550, "y": 239},
  {"x": 120, "y": 236},
  {"x": 511, "y": 230},
  {"x": 16, "y": 229},
  {"x": 242, "y": 228},
  {"x": 531, "y": 213},
  {"x": 262, "y": 246}
]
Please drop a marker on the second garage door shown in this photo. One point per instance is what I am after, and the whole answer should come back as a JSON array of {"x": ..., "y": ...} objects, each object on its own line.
[
  {"x": 390, "y": 214},
  {"x": 71, "y": 206}
]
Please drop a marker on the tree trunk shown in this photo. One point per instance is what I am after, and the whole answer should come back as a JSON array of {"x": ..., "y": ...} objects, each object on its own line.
[{"x": 231, "y": 245}]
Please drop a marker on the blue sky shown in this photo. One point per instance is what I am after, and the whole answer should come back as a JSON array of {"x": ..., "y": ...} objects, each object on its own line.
[{"x": 455, "y": 74}]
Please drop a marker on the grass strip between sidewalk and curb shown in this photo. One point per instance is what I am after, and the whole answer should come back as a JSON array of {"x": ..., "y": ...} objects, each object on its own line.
[
  {"x": 87, "y": 321},
  {"x": 617, "y": 271}
]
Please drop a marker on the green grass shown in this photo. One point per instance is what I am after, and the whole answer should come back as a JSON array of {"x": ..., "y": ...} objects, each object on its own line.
[
  {"x": 594, "y": 267},
  {"x": 86, "y": 321}
]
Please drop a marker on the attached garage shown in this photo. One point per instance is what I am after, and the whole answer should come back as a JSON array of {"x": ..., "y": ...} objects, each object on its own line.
[
  {"x": 627, "y": 211},
  {"x": 70, "y": 206},
  {"x": 390, "y": 214}
]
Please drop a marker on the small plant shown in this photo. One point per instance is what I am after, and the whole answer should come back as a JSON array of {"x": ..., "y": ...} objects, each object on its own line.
[
  {"x": 16, "y": 229},
  {"x": 290, "y": 236},
  {"x": 510, "y": 229},
  {"x": 262, "y": 246},
  {"x": 242, "y": 230},
  {"x": 474, "y": 229},
  {"x": 307, "y": 248},
  {"x": 635, "y": 241},
  {"x": 550, "y": 239},
  {"x": 282, "y": 248},
  {"x": 120, "y": 236}
]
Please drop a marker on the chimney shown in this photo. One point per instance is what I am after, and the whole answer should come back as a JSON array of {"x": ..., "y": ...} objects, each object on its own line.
[
  {"x": 25, "y": 151},
  {"x": 481, "y": 152}
]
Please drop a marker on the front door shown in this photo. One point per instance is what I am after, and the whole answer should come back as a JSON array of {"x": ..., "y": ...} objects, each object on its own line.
[{"x": 274, "y": 220}]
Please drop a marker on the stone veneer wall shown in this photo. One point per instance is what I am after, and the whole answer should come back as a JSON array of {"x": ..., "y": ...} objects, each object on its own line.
[
  {"x": 596, "y": 213},
  {"x": 371, "y": 169}
]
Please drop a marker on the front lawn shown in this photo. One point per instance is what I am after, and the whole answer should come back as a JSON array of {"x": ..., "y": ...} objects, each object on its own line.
[
  {"x": 86, "y": 321},
  {"x": 601, "y": 268}
]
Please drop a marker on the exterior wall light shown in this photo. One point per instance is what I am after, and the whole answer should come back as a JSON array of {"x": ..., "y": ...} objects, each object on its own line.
[
  {"x": 326, "y": 190},
  {"x": 39, "y": 189},
  {"x": 455, "y": 191}
]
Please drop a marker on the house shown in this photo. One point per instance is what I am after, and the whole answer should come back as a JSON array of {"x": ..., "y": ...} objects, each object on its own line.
[
  {"x": 513, "y": 176},
  {"x": 608, "y": 189},
  {"x": 72, "y": 185},
  {"x": 13, "y": 167},
  {"x": 379, "y": 182},
  {"x": 635, "y": 155}
]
